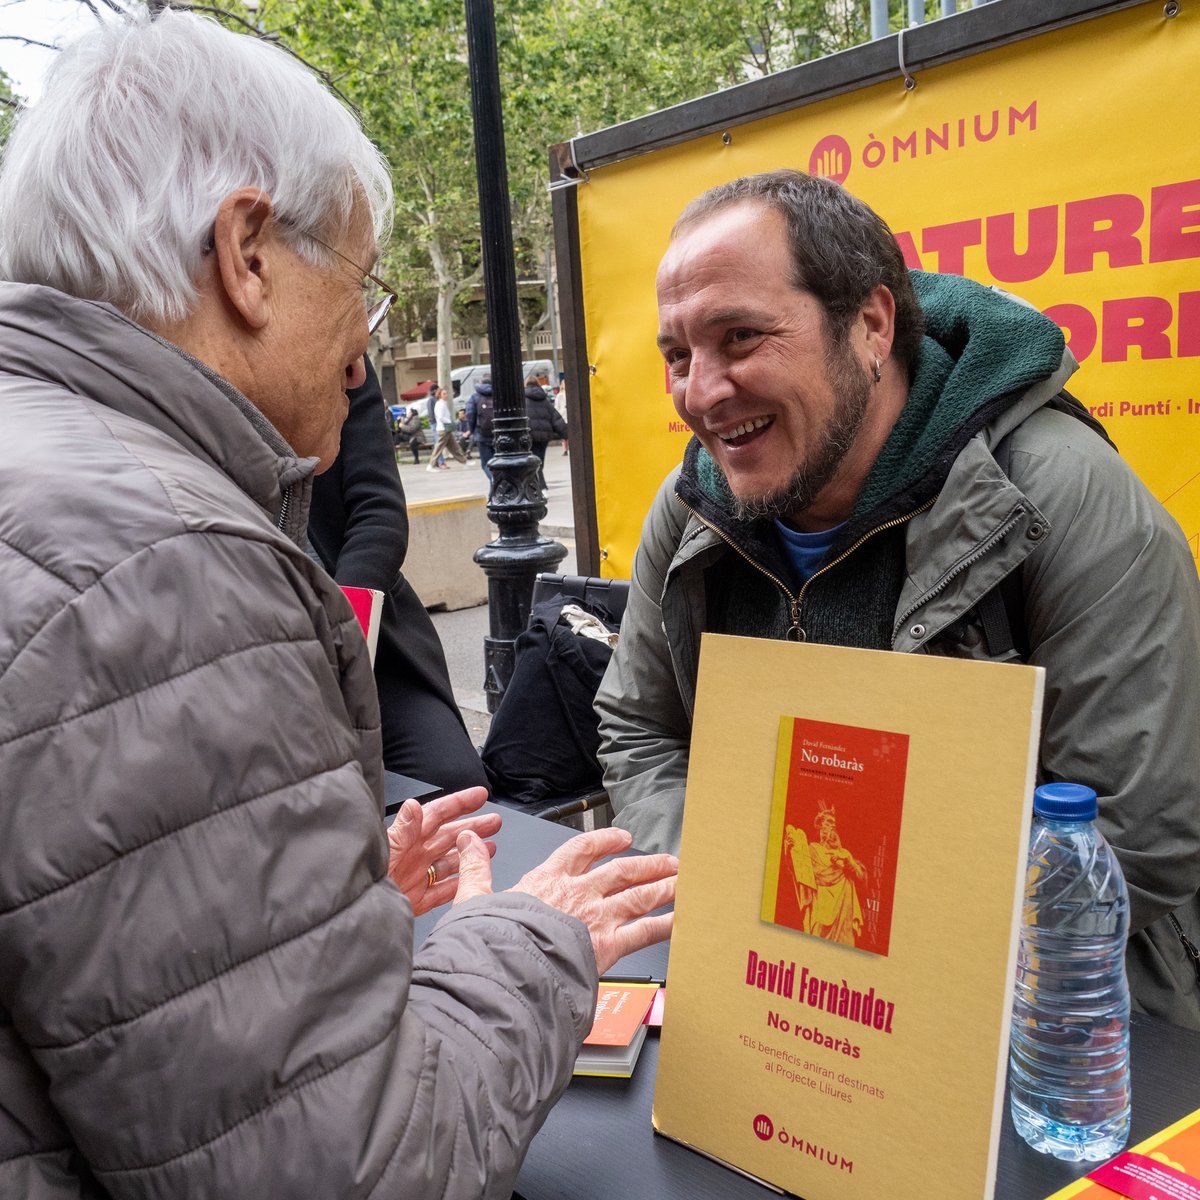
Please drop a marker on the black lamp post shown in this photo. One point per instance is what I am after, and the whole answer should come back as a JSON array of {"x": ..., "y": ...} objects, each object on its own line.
[{"x": 515, "y": 506}]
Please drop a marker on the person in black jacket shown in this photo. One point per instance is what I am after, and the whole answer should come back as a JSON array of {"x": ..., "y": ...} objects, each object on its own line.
[
  {"x": 358, "y": 526},
  {"x": 480, "y": 416},
  {"x": 545, "y": 424}
]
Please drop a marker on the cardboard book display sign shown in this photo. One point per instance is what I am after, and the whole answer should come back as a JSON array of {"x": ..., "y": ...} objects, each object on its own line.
[{"x": 851, "y": 877}]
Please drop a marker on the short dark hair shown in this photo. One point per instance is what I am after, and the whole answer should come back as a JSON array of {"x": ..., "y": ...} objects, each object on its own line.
[{"x": 841, "y": 249}]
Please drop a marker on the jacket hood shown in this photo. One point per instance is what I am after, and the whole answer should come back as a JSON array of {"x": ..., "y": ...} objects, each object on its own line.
[
  {"x": 86, "y": 347},
  {"x": 535, "y": 391},
  {"x": 981, "y": 354},
  {"x": 982, "y": 351},
  {"x": 483, "y": 389}
]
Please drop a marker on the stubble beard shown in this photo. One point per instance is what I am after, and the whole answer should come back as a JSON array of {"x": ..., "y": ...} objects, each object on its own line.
[{"x": 852, "y": 394}]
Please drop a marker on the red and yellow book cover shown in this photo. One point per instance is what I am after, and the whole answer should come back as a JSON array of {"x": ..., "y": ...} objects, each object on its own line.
[
  {"x": 835, "y": 832},
  {"x": 620, "y": 1009},
  {"x": 851, "y": 874},
  {"x": 1166, "y": 1166}
]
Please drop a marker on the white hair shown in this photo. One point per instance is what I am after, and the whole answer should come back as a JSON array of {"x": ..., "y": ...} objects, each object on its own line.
[{"x": 110, "y": 183}]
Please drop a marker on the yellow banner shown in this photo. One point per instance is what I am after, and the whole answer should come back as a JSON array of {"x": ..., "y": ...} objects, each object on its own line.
[{"x": 1061, "y": 168}]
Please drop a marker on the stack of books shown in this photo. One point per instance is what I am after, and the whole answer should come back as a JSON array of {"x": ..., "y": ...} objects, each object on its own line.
[{"x": 619, "y": 1030}]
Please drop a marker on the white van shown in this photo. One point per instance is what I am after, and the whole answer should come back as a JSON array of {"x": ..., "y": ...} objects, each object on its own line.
[{"x": 465, "y": 379}]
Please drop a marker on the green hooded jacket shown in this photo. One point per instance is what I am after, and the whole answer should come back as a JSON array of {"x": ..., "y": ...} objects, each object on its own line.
[{"x": 1111, "y": 603}]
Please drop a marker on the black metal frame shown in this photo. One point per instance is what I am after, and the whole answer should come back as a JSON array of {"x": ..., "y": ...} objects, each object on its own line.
[{"x": 924, "y": 46}]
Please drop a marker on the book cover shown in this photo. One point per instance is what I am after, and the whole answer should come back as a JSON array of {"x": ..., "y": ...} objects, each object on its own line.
[
  {"x": 851, "y": 874},
  {"x": 621, "y": 1009},
  {"x": 1166, "y": 1166},
  {"x": 835, "y": 832},
  {"x": 368, "y": 607},
  {"x": 618, "y": 1031}
]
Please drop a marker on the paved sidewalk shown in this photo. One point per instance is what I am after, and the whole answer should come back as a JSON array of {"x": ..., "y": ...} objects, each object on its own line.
[
  {"x": 422, "y": 484},
  {"x": 462, "y": 632}
]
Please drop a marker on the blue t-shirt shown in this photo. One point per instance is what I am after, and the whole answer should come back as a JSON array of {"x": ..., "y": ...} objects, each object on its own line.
[{"x": 805, "y": 551}]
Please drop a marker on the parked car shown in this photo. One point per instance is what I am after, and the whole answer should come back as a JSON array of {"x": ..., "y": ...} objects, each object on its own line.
[
  {"x": 541, "y": 369},
  {"x": 464, "y": 379}
]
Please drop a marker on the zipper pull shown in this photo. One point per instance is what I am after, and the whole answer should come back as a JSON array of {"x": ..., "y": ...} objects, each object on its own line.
[{"x": 796, "y": 632}]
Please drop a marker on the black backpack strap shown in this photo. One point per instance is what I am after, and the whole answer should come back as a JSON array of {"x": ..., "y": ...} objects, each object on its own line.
[
  {"x": 1064, "y": 402},
  {"x": 997, "y": 629},
  {"x": 1001, "y": 611}
]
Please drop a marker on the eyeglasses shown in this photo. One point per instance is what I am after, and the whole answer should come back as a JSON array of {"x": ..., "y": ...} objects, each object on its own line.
[{"x": 377, "y": 296}]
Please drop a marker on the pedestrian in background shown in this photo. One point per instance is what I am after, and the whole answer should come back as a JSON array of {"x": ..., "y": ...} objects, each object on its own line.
[
  {"x": 410, "y": 433},
  {"x": 480, "y": 415},
  {"x": 544, "y": 425},
  {"x": 464, "y": 432},
  {"x": 446, "y": 442},
  {"x": 560, "y": 403}
]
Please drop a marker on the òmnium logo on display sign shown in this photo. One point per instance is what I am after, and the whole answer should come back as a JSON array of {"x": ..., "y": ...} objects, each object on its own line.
[
  {"x": 833, "y": 155},
  {"x": 764, "y": 1130},
  {"x": 831, "y": 158}
]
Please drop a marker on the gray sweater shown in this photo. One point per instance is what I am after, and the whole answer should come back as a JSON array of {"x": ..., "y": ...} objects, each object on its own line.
[{"x": 207, "y": 983}]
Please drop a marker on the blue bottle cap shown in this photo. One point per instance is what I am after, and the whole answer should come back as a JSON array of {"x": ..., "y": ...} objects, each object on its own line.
[{"x": 1065, "y": 802}]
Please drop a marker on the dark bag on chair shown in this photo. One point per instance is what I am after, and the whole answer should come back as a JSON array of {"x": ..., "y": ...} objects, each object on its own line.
[{"x": 543, "y": 739}]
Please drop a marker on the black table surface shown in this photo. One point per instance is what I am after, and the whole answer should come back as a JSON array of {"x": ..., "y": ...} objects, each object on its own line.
[
  {"x": 598, "y": 1141},
  {"x": 397, "y": 788}
]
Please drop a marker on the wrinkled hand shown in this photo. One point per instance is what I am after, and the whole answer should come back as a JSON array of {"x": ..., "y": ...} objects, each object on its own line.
[
  {"x": 424, "y": 836},
  {"x": 612, "y": 900}
]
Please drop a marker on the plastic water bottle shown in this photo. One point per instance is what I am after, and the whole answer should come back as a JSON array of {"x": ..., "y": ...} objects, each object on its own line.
[{"x": 1069, "y": 1078}]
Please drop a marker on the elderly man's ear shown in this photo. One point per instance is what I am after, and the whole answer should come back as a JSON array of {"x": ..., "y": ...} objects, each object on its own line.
[{"x": 245, "y": 246}]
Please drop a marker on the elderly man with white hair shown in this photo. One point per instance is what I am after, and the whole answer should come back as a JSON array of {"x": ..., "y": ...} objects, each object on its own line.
[{"x": 207, "y": 978}]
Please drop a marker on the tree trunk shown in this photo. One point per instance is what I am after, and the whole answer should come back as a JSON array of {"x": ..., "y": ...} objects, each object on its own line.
[
  {"x": 445, "y": 333},
  {"x": 447, "y": 289}
]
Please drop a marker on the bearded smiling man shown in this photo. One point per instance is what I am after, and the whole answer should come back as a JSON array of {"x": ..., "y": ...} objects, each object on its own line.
[{"x": 875, "y": 450}]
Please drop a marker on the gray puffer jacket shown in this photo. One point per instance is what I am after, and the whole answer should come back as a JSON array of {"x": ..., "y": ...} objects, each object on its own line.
[
  {"x": 1112, "y": 610},
  {"x": 207, "y": 983}
]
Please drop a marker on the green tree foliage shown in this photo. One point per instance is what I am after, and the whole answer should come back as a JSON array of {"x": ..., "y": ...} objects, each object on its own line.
[
  {"x": 567, "y": 67},
  {"x": 8, "y": 108}
]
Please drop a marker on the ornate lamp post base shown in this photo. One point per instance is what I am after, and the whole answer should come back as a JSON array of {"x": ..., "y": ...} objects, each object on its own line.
[{"x": 514, "y": 559}]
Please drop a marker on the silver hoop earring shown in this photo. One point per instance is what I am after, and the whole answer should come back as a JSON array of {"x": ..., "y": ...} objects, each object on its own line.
[{"x": 878, "y": 370}]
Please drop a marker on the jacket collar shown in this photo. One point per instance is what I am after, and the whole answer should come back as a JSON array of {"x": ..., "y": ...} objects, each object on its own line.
[{"x": 94, "y": 350}]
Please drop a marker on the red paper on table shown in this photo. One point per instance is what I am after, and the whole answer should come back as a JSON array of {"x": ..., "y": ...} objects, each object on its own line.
[
  {"x": 620, "y": 1009},
  {"x": 368, "y": 606},
  {"x": 1165, "y": 1166}
]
